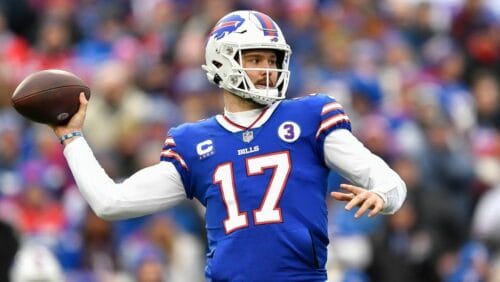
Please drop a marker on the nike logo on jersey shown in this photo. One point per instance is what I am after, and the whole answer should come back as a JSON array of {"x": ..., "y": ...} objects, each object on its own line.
[{"x": 248, "y": 150}]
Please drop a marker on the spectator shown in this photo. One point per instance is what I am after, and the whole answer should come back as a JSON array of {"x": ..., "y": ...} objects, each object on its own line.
[
  {"x": 34, "y": 262},
  {"x": 10, "y": 241},
  {"x": 434, "y": 65}
]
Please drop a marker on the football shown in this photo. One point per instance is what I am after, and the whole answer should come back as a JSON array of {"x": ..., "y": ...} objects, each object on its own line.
[{"x": 49, "y": 96}]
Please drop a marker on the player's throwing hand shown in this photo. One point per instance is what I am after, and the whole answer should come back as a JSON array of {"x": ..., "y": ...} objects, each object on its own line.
[
  {"x": 357, "y": 196},
  {"x": 75, "y": 124}
]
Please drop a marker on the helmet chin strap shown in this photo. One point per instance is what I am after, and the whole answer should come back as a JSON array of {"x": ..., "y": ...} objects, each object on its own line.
[
  {"x": 266, "y": 96},
  {"x": 267, "y": 92}
]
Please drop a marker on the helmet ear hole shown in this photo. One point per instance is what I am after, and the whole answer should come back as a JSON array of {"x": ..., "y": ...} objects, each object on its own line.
[
  {"x": 217, "y": 64},
  {"x": 280, "y": 57},
  {"x": 217, "y": 79}
]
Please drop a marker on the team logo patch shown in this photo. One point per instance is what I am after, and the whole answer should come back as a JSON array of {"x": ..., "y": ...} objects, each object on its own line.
[
  {"x": 289, "y": 131},
  {"x": 226, "y": 26}
]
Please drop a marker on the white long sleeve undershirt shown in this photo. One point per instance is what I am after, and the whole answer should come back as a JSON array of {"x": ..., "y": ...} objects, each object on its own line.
[
  {"x": 159, "y": 186},
  {"x": 151, "y": 189},
  {"x": 345, "y": 154}
]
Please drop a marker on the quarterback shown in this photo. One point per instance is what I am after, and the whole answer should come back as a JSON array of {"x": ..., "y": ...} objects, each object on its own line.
[{"x": 260, "y": 168}]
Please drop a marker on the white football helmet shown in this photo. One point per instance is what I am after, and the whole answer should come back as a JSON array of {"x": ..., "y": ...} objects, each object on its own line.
[{"x": 244, "y": 30}]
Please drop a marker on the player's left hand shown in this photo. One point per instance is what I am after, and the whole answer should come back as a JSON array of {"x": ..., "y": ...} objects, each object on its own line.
[{"x": 357, "y": 196}]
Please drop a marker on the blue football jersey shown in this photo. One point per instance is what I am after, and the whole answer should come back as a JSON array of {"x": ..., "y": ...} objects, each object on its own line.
[{"x": 264, "y": 189}]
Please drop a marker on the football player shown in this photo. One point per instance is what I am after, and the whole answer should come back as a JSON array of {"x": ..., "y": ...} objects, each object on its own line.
[{"x": 260, "y": 168}]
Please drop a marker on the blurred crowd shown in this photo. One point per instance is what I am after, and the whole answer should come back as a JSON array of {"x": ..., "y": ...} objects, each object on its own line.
[{"x": 419, "y": 81}]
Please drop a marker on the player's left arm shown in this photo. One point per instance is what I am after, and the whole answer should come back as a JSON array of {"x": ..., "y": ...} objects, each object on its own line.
[{"x": 376, "y": 187}]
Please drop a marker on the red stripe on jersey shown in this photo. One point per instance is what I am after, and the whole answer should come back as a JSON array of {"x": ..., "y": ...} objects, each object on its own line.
[
  {"x": 331, "y": 107},
  {"x": 174, "y": 155},
  {"x": 169, "y": 141},
  {"x": 330, "y": 122},
  {"x": 251, "y": 125}
]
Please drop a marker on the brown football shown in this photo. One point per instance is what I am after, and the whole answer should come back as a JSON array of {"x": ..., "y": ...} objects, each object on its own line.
[{"x": 49, "y": 96}]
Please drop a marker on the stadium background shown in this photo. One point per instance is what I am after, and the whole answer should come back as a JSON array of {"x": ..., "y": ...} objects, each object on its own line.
[{"x": 419, "y": 80}]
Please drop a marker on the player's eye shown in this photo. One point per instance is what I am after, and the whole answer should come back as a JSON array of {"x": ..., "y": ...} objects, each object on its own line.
[{"x": 254, "y": 61}]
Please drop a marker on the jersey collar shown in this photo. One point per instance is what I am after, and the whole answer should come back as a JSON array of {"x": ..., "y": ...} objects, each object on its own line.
[{"x": 233, "y": 126}]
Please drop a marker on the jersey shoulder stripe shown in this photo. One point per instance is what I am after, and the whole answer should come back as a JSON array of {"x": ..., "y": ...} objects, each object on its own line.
[
  {"x": 331, "y": 113},
  {"x": 170, "y": 153},
  {"x": 180, "y": 148},
  {"x": 177, "y": 139}
]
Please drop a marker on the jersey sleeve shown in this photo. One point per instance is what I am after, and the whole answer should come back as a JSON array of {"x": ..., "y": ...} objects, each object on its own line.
[
  {"x": 171, "y": 153},
  {"x": 345, "y": 154},
  {"x": 332, "y": 116}
]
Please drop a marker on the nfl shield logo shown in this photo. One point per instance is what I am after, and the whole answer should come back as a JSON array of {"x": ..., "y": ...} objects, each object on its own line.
[{"x": 248, "y": 136}]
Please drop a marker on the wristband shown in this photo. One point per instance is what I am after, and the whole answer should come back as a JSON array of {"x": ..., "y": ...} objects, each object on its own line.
[{"x": 69, "y": 136}]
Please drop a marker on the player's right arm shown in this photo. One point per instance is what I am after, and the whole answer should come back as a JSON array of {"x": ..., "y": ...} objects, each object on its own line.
[{"x": 149, "y": 190}]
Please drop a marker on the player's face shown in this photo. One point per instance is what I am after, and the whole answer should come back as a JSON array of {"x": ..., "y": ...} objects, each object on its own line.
[{"x": 262, "y": 59}]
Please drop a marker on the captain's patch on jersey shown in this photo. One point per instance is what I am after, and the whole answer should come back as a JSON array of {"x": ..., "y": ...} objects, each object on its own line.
[{"x": 205, "y": 149}]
